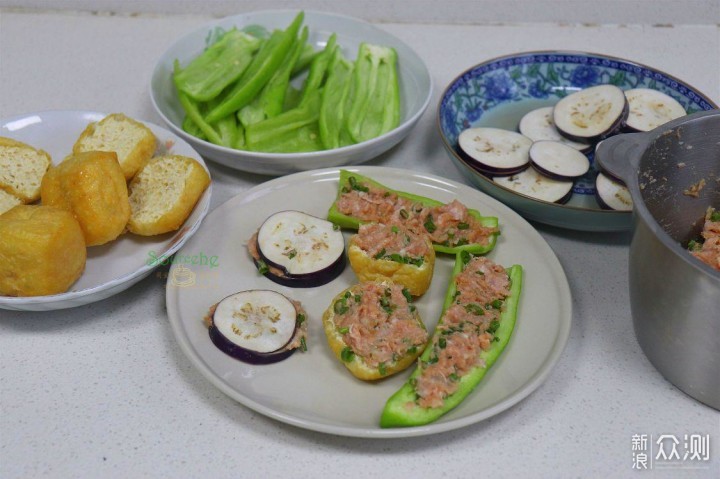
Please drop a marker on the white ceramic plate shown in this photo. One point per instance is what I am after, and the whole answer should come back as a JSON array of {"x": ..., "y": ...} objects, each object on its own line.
[
  {"x": 313, "y": 390},
  {"x": 414, "y": 78},
  {"x": 113, "y": 267}
]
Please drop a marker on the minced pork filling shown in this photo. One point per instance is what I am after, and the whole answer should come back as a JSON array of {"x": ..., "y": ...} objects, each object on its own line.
[
  {"x": 378, "y": 323},
  {"x": 709, "y": 250},
  {"x": 384, "y": 241},
  {"x": 450, "y": 224},
  {"x": 466, "y": 329}
]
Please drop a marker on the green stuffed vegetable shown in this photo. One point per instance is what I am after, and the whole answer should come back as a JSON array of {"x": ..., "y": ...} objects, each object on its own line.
[
  {"x": 350, "y": 181},
  {"x": 402, "y": 408}
]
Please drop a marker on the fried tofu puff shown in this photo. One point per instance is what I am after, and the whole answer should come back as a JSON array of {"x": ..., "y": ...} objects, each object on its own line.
[
  {"x": 92, "y": 187},
  {"x": 395, "y": 253},
  {"x": 374, "y": 329},
  {"x": 42, "y": 251}
]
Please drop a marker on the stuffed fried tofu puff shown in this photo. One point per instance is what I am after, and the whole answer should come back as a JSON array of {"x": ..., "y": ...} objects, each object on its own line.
[
  {"x": 374, "y": 329},
  {"x": 392, "y": 252}
]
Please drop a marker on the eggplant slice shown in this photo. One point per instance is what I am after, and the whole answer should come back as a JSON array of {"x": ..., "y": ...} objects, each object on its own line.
[
  {"x": 298, "y": 250},
  {"x": 535, "y": 185},
  {"x": 538, "y": 125},
  {"x": 591, "y": 114},
  {"x": 612, "y": 194},
  {"x": 495, "y": 152},
  {"x": 558, "y": 161},
  {"x": 651, "y": 108},
  {"x": 256, "y": 326}
]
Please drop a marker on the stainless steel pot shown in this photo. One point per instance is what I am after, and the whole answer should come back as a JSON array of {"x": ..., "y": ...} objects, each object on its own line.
[{"x": 675, "y": 298}]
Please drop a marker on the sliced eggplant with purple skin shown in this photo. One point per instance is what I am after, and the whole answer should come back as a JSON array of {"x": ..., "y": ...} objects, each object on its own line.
[
  {"x": 533, "y": 184},
  {"x": 651, "y": 108},
  {"x": 538, "y": 125},
  {"x": 299, "y": 250},
  {"x": 592, "y": 114},
  {"x": 558, "y": 161},
  {"x": 612, "y": 194},
  {"x": 495, "y": 152},
  {"x": 257, "y": 326}
]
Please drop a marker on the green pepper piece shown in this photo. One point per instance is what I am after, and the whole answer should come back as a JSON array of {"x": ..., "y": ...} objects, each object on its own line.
[
  {"x": 307, "y": 55},
  {"x": 295, "y": 130},
  {"x": 376, "y": 102},
  {"x": 272, "y": 97},
  {"x": 345, "y": 221},
  {"x": 334, "y": 97},
  {"x": 191, "y": 128},
  {"x": 318, "y": 70},
  {"x": 192, "y": 110},
  {"x": 397, "y": 413},
  {"x": 218, "y": 66},
  {"x": 270, "y": 101},
  {"x": 261, "y": 69}
]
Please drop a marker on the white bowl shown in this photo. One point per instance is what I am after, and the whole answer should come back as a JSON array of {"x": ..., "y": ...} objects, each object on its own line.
[
  {"x": 415, "y": 91},
  {"x": 115, "y": 266}
]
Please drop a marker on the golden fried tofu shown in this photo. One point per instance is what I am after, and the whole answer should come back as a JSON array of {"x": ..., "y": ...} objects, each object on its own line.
[
  {"x": 393, "y": 252},
  {"x": 164, "y": 193},
  {"x": 42, "y": 251},
  {"x": 133, "y": 142},
  {"x": 92, "y": 186}
]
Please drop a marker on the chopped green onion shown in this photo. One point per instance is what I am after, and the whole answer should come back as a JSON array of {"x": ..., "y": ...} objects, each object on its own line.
[
  {"x": 347, "y": 354},
  {"x": 429, "y": 225},
  {"x": 339, "y": 307},
  {"x": 262, "y": 267}
]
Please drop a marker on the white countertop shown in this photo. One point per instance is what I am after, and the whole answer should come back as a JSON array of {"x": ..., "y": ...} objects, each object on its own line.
[{"x": 105, "y": 391}]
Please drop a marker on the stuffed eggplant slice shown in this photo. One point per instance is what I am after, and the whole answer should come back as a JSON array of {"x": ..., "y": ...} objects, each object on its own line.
[
  {"x": 258, "y": 326},
  {"x": 298, "y": 250},
  {"x": 392, "y": 252},
  {"x": 477, "y": 321},
  {"x": 374, "y": 329},
  {"x": 451, "y": 227}
]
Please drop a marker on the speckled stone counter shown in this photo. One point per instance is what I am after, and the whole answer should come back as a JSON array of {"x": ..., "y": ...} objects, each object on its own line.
[{"x": 104, "y": 390}]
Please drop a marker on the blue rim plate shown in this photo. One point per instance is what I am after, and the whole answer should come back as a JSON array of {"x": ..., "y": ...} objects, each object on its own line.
[{"x": 500, "y": 91}]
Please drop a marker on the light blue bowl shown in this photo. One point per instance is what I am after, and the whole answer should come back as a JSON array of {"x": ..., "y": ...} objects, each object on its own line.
[{"x": 499, "y": 92}]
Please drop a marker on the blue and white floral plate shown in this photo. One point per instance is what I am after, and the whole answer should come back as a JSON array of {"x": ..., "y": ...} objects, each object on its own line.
[{"x": 499, "y": 92}]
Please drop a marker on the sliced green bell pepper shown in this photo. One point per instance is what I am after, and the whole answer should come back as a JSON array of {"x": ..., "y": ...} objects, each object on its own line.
[
  {"x": 295, "y": 130},
  {"x": 192, "y": 110},
  {"x": 307, "y": 55},
  {"x": 259, "y": 72},
  {"x": 334, "y": 98},
  {"x": 401, "y": 409},
  {"x": 272, "y": 97},
  {"x": 376, "y": 102},
  {"x": 345, "y": 221},
  {"x": 218, "y": 66},
  {"x": 318, "y": 69}
]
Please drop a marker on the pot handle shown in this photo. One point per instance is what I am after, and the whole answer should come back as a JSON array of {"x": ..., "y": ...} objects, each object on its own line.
[{"x": 620, "y": 155}]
